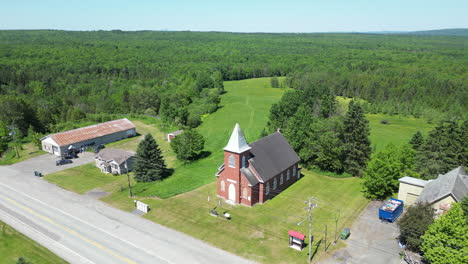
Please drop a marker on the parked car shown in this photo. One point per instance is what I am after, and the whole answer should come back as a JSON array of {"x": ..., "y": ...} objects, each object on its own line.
[
  {"x": 62, "y": 162},
  {"x": 70, "y": 155}
]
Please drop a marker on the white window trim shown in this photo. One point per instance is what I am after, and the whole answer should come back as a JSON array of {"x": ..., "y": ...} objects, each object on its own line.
[
  {"x": 281, "y": 179},
  {"x": 267, "y": 188}
]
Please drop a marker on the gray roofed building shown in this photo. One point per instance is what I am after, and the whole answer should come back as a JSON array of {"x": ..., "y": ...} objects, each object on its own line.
[
  {"x": 253, "y": 173},
  {"x": 111, "y": 160},
  {"x": 453, "y": 183},
  {"x": 271, "y": 155}
]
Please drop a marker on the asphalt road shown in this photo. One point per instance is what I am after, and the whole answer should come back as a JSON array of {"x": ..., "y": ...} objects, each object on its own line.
[{"x": 84, "y": 230}]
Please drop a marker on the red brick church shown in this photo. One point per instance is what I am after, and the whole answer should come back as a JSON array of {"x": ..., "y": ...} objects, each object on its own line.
[{"x": 253, "y": 173}]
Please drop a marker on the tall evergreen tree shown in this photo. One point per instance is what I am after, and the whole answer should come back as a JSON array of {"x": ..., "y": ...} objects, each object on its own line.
[
  {"x": 444, "y": 149},
  {"x": 417, "y": 140},
  {"x": 150, "y": 165},
  {"x": 356, "y": 141}
]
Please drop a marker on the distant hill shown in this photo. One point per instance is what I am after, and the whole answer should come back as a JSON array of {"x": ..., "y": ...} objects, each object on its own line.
[
  {"x": 436, "y": 32},
  {"x": 442, "y": 32}
]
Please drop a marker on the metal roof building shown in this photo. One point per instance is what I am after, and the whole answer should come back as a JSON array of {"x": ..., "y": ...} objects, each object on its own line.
[{"x": 94, "y": 135}]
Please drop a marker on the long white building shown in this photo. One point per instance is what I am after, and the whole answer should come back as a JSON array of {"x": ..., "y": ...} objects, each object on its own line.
[{"x": 94, "y": 135}]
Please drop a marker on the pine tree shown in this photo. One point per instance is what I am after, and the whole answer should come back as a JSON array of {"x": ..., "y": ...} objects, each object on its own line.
[
  {"x": 444, "y": 149},
  {"x": 356, "y": 141},
  {"x": 417, "y": 140},
  {"x": 150, "y": 165}
]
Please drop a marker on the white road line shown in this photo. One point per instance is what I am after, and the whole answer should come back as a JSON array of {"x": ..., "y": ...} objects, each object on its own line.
[
  {"x": 89, "y": 224},
  {"x": 44, "y": 236}
]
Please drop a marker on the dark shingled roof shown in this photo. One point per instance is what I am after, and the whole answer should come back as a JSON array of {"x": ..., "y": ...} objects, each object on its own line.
[
  {"x": 250, "y": 176},
  {"x": 271, "y": 155},
  {"x": 454, "y": 182}
]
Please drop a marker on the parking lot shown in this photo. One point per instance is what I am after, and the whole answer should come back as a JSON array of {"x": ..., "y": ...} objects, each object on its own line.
[
  {"x": 371, "y": 241},
  {"x": 46, "y": 163}
]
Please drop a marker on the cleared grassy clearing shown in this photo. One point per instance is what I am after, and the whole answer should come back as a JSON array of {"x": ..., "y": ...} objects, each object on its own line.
[
  {"x": 399, "y": 129},
  {"x": 14, "y": 245},
  {"x": 246, "y": 102}
]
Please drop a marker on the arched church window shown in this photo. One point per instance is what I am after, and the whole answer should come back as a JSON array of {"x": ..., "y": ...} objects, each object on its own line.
[
  {"x": 288, "y": 175},
  {"x": 245, "y": 193},
  {"x": 294, "y": 170},
  {"x": 267, "y": 188},
  {"x": 243, "y": 161},
  {"x": 223, "y": 187},
  {"x": 274, "y": 184},
  {"x": 232, "y": 161}
]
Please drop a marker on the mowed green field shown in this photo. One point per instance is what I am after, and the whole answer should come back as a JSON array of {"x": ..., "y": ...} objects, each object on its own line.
[
  {"x": 14, "y": 245},
  {"x": 399, "y": 129},
  {"x": 246, "y": 102},
  {"x": 84, "y": 178},
  {"x": 260, "y": 233}
]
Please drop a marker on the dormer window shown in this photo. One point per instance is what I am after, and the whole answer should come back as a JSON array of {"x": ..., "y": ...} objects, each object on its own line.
[{"x": 232, "y": 161}]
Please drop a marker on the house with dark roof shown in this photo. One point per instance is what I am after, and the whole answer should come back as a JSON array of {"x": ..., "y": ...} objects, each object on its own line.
[
  {"x": 253, "y": 173},
  {"x": 115, "y": 161},
  {"x": 95, "y": 135},
  {"x": 440, "y": 193}
]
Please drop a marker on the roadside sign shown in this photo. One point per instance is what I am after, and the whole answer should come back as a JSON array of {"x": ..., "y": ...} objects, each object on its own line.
[{"x": 142, "y": 206}]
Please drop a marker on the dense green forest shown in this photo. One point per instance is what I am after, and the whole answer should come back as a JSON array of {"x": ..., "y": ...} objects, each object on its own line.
[{"x": 50, "y": 77}]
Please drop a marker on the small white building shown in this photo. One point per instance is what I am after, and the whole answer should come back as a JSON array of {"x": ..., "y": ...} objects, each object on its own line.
[
  {"x": 95, "y": 135},
  {"x": 440, "y": 193},
  {"x": 172, "y": 135},
  {"x": 115, "y": 161}
]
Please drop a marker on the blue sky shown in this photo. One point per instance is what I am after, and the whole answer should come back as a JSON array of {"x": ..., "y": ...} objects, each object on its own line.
[{"x": 235, "y": 15}]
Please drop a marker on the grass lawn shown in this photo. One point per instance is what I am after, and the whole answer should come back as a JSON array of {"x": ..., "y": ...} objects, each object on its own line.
[
  {"x": 14, "y": 245},
  {"x": 27, "y": 151},
  {"x": 399, "y": 130},
  {"x": 246, "y": 102},
  {"x": 262, "y": 229},
  {"x": 84, "y": 178}
]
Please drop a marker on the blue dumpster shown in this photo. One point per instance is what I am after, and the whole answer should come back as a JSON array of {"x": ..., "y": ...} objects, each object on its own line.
[{"x": 390, "y": 210}]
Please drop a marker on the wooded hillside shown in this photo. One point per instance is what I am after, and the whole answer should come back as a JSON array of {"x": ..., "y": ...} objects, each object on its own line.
[{"x": 49, "y": 77}]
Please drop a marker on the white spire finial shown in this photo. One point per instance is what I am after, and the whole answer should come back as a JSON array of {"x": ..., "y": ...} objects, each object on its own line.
[{"x": 237, "y": 142}]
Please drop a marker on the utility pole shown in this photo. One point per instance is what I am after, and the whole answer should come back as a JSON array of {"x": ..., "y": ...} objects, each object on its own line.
[
  {"x": 336, "y": 226},
  {"x": 310, "y": 205},
  {"x": 326, "y": 226},
  {"x": 128, "y": 178}
]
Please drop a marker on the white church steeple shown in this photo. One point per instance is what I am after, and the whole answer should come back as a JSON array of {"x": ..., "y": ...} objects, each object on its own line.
[{"x": 237, "y": 142}]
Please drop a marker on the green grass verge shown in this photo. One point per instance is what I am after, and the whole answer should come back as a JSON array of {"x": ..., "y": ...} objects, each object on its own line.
[
  {"x": 27, "y": 151},
  {"x": 83, "y": 178},
  {"x": 14, "y": 245},
  {"x": 260, "y": 233}
]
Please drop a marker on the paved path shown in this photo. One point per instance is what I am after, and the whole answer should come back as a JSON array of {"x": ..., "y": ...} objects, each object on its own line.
[
  {"x": 81, "y": 229},
  {"x": 371, "y": 241}
]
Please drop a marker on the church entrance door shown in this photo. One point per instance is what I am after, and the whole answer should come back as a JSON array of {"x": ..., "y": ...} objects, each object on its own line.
[{"x": 232, "y": 193}]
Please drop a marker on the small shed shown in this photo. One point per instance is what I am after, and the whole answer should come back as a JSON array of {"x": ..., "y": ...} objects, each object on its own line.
[
  {"x": 296, "y": 240},
  {"x": 172, "y": 135}
]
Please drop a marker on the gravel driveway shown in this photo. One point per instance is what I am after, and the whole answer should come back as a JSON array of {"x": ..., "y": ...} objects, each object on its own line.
[{"x": 371, "y": 241}]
